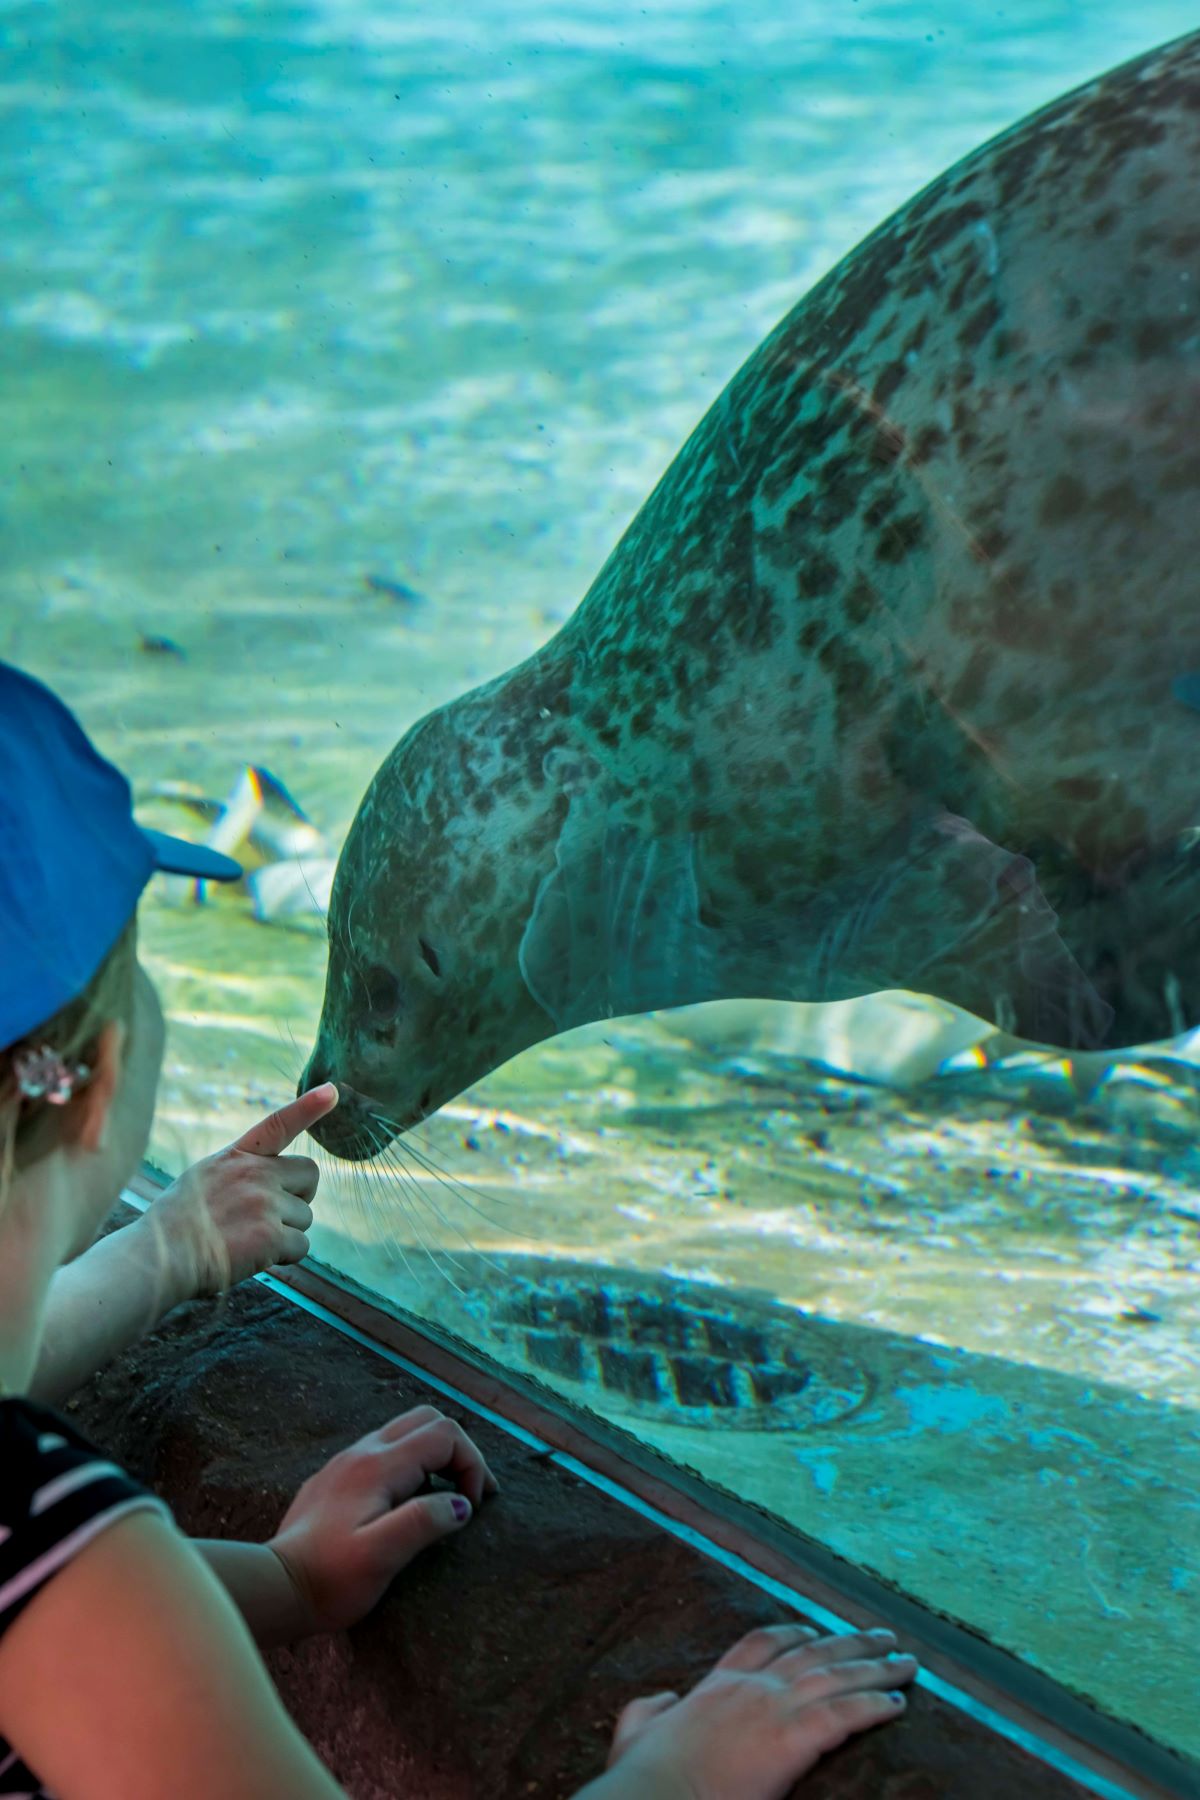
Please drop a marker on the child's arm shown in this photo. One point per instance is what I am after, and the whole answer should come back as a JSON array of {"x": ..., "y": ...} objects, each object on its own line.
[
  {"x": 131, "y": 1673},
  {"x": 102, "y": 1302},
  {"x": 226, "y": 1217}
]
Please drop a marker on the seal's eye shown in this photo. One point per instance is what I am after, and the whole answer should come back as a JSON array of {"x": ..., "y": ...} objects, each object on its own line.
[
  {"x": 383, "y": 991},
  {"x": 431, "y": 956}
]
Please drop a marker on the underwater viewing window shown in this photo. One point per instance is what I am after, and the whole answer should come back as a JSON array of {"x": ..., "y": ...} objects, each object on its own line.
[{"x": 340, "y": 347}]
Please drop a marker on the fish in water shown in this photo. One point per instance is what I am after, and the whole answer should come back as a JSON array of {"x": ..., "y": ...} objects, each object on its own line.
[
  {"x": 394, "y": 590},
  {"x": 876, "y": 690},
  {"x": 152, "y": 645},
  {"x": 289, "y": 870}
]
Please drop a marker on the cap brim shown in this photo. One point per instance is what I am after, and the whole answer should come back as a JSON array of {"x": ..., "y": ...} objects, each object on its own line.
[{"x": 175, "y": 856}]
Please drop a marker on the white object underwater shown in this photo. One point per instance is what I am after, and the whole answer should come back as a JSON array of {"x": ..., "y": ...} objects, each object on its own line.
[
  {"x": 288, "y": 864},
  {"x": 897, "y": 1039}
]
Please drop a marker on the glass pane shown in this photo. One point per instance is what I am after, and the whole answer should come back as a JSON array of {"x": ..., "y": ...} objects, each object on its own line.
[{"x": 340, "y": 346}]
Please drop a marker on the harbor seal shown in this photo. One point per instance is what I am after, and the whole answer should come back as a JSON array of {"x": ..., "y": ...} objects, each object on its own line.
[{"x": 877, "y": 689}]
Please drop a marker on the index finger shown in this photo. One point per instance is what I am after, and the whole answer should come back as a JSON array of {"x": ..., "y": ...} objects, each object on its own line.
[{"x": 276, "y": 1131}]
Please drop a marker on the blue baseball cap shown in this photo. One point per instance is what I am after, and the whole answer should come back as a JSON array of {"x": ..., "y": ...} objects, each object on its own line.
[{"x": 73, "y": 860}]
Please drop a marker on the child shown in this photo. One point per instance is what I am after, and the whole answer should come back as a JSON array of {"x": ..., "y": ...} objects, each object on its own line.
[{"x": 127, "y": 1662}]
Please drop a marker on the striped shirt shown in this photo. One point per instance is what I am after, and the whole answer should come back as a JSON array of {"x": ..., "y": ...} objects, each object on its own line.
[{"x": 57, "y": 1492}]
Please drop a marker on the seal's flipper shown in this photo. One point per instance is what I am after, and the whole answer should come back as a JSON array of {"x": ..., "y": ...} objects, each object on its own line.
[
  {"x": 956, "y": 915},
  {"x": 615, "y": 926}
]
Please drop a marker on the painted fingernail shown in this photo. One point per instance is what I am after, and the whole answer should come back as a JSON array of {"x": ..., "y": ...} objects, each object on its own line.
[
  {"x": 896, "y": 1699},
  {"x": 460, "y": 1506},
  {"x": 880, "y": 1633}
]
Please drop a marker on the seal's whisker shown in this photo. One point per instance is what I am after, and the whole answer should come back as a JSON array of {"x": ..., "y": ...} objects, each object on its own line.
[
  {"x": 321, "y": 912},
  {"x": 422, "y": 1154},
  {"x": 378, "y": 1212},
  {"x": 436, "y": 1253},
  {"x": 469, "y": 1243},
  {"x": 462, "y": 1190},
  {"x": 340, "y": 1193},
  {"x": 365, "y": 1179},
  {"x": 287, "y": 1023},
  {"x": 408, "y": 1187},
  {"x": 393, "y": 1159},
  {"x": 364, "y": 1197},
  {"x": 363, "y": 1186},
  {"x": 372, "y": 1176},
  {"x": 349, "y": 931},
  {"x": 390, "y": 1157},
  {"x": 349, "y": 1186}
]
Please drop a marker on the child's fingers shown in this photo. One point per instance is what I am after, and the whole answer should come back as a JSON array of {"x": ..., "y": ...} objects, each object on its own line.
[
  {"x": 762, "y": 1646},
  {"x": 821, "y": 1727},
  {"x": 842, "y": 1647},
  {"x": 298, "y": 1175},
  {"x": 404, "y": 1424},
  {"x": 639, "y": 1712},
  {"x": 636, "y": 1716},
  {"x": 811, "y": 1684},
  {"x": 413, "y": 1527},
  {"x": 441, "y": 1448},
  {"x": 296, "y": 1213},
  {"x": 293, "y": 1246}
]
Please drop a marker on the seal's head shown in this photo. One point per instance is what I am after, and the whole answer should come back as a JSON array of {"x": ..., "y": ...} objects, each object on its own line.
[{"x": 434, "y": 888}]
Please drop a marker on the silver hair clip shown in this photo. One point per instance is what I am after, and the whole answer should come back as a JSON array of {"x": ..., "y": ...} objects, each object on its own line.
[{"x": 43, "y": 1075}]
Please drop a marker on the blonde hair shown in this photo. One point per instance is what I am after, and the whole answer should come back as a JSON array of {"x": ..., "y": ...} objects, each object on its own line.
[{"x": 30, "y": 1128}]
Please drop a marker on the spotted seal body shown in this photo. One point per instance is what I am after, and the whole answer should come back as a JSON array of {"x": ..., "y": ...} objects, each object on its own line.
[{"x": 877, "y": 689}]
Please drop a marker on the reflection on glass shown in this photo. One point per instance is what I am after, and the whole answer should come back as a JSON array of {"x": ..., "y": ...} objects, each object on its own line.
[{"x": 338, "y": 352}]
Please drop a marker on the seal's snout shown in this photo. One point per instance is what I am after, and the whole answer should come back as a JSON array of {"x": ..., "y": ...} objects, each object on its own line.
[{"x": 359, "y": 1134}]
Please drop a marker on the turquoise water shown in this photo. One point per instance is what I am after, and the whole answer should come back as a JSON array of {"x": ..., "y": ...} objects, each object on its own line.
[{"x": 337, "y": 347}]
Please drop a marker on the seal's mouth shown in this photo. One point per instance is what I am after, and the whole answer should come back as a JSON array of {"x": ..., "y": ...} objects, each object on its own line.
[
  {"x": 361, "y": 1127},
  {"x": 359, "y": 1144}
]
